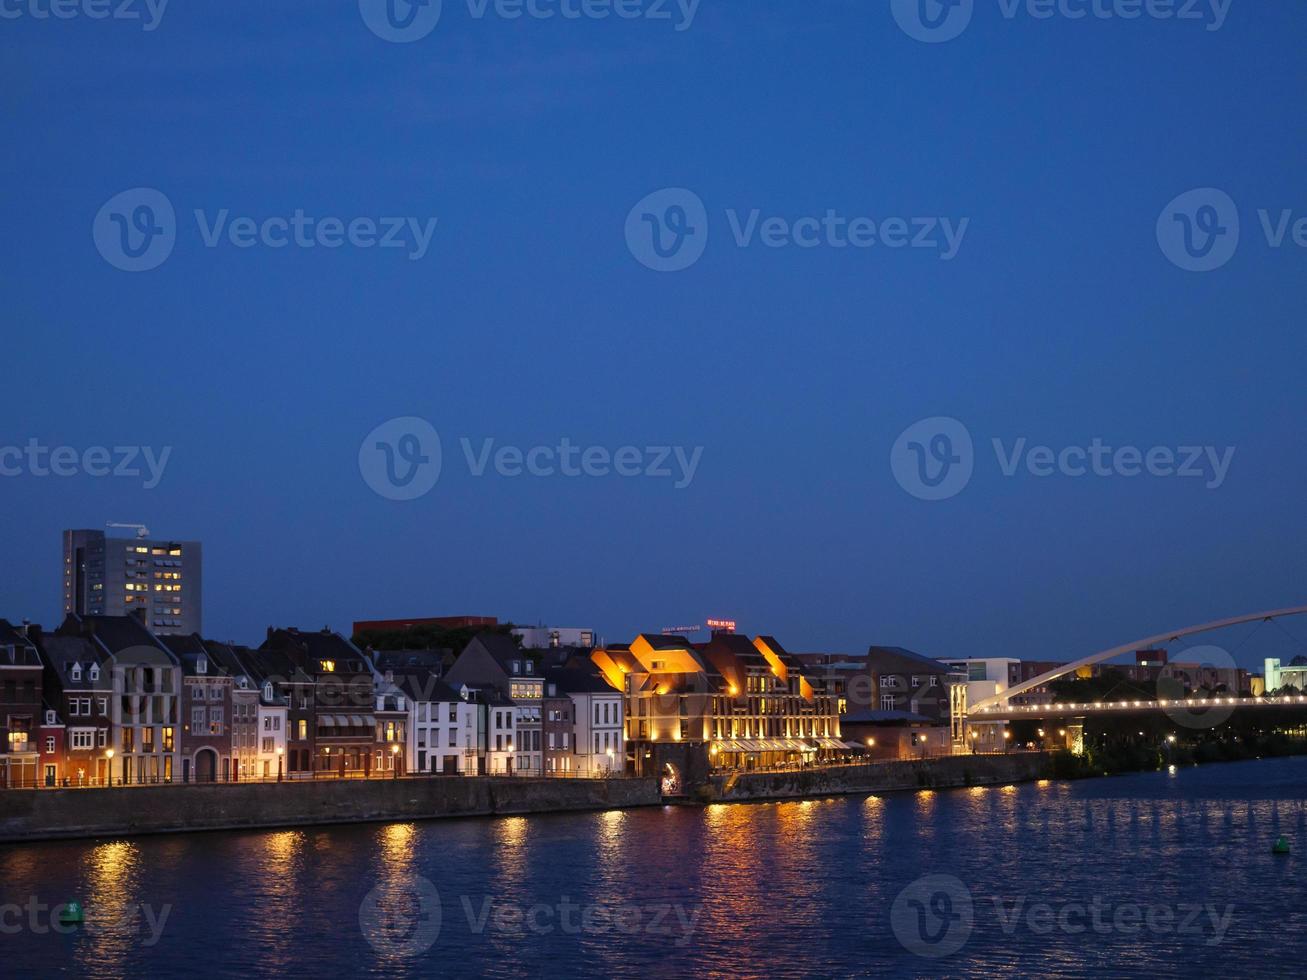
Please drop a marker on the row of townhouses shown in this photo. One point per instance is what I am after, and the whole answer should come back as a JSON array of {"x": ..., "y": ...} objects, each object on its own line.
[{"x": 101, "y": 700}]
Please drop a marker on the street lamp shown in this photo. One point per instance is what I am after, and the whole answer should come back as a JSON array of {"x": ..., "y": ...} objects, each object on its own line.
[
  {"x": 280, "y": 753},
  {"x": 108, "y": 766},
  {"x": 394, "y": 759}
]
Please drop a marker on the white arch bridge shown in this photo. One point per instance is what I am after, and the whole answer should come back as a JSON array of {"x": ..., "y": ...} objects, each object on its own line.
[{"x": 1000, "y": 706}]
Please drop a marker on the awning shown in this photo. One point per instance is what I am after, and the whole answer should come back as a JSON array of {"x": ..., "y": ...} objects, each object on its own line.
[
  {"x": 327, "y": 721},
  {"x": 356, "y": 721},
  {"x": 831, "y": 743}
]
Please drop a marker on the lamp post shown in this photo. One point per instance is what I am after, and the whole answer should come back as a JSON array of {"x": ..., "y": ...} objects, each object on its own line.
[
  {"x": 280, "y": 752},
  {"x": 108, "y": 767},
  {"x": 394, "y": 759}
]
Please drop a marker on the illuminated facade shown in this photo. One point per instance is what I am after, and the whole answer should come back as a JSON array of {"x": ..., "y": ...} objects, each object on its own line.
[
  {"x": 748, "y": 703},
  {"x": 159, "y": 582}
]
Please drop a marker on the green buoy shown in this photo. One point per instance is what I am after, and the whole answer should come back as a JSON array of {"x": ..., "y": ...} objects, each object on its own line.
[
  {"x": 72, "y": 915},
  {"x": 1281, "y": 846}
]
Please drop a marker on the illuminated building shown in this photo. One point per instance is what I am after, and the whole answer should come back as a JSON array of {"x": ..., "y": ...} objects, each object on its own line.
[
  {"x": 157, "y": 581},
  {"x": 78, "y": 688},
  {"x": 144, "y": 704},
  {"x": 730, "y": 702},
  {"x": 20, "y": 707}
]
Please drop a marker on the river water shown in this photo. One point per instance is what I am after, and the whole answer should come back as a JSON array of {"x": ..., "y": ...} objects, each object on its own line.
[{"x": 1160, "y": 874}]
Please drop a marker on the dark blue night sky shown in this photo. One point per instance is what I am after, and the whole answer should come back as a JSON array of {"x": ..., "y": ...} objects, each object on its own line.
[{"x": 1061, "y": 318}]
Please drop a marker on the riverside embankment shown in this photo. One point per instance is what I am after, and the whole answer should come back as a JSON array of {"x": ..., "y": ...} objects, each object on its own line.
[
  {"x": 52, "y": 813},
  {"x": 942, "y": 773},
  {"x": 47, "y": 814}
]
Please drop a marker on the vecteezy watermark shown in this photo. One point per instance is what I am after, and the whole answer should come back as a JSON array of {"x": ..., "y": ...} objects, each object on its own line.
[
  {"x": 936, "y": 915},
  {"x": 148, "y": 12},
  {"x": 934, "y": 459},
  {"x": 41, "y": 919},
  {"x": 37, "y": 460},
  {"x": 136, "y": 231},
  {"x": 406, "y": 21},
  {"x": 936, "y": 21},
  {"x": 404, "y": 918},
  {"x": 1195, "y": 690},
  {"x": 1199, "y": 231},
  {"x": 667, "y": 231},
  {"x": 401, "y": 460}
]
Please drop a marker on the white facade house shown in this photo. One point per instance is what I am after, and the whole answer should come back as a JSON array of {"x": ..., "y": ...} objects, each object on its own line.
[
  {"x": 272, "y": 724},
  {"x": 442, "y": 734},
  {"x": 600, "y": 746},
  {"x": 501, "y": 738}
]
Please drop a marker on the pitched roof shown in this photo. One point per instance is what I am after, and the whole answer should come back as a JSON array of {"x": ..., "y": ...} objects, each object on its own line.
[
  {"x": 577, "y": 680},
  {"x": 25, "y": 654},
  {"x": 117, "y": 634},
  {"x": 911, "y": 657},
  {"x": 62, "y": 652}
]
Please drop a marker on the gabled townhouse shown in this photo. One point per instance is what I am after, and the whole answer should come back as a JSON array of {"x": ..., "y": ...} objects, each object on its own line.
[
  {"x": 441, "y": 732},
  {"x": 20, "y": 707},
  {"x": 392, "y": 714},
  {"x": 492, "y": 661},
  {"x": 52, "y": 739},
  {"x": 244, "y": 710},
  {"x": 557, "y": 728},
  {"x": 497, "y": 719},
  {"x": 206, "y": 707},
  {"x": 287, "y": 703},
  {"x": 78, "y": 682},
  {"x": 341, "y": 699},
  {"x": 598, "y": 743},
  {"x": 145, "y": 705}
]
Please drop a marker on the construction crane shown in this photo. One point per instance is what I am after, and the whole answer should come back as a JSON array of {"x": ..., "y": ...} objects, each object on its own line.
[{"x": 141, "y": 530}]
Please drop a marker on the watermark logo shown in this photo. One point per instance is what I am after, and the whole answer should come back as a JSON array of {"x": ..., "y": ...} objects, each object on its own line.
[
  {"x": 36, "y": 459},
  {"x": 401, "y": 21},
  {"x": 40, "y": 919},
  {"x": 1197, "y": 687},
  {"x": 936, "y": 915},
  {"x": 936, "y": 21},
  {"x": 135, "y": 231},
  {"x": 401, "y": 459},
  {"x": 933, "y": 21},
  {"x": 1199, "y": 230},
  {"x": 933, "y": 916},
  {"x": 405, "y": 21},
  {"x": 668, "y": 230},
  {"x": 933, "y": 459},
  {"x": 148, "y": 12},
  {"x": 402, "y": 918}
]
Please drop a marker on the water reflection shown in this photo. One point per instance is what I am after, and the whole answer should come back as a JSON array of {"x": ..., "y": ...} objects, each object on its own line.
[
  {"x": 113, "y": 920},
  {"x": 781, "y": 889},
  {"x": 511, "y": 850}
]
